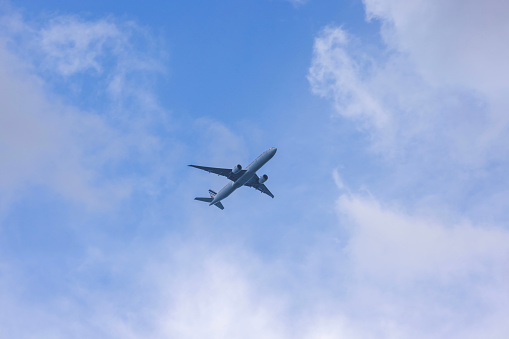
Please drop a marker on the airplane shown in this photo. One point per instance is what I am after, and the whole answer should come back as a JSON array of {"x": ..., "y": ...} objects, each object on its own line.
[{"x": 239, "y": 177}]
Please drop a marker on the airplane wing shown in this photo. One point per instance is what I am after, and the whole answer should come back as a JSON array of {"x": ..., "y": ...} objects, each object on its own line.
[
  {"x": 253, "y": 182},
  {"x": 225, "y": 172}
]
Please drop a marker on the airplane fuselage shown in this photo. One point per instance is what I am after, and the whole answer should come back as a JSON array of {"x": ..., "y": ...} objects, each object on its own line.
[{"x": 250, "y": 171}]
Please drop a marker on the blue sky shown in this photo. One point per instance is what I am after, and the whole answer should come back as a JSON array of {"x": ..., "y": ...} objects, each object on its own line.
[{"x": 391, "y": 185}]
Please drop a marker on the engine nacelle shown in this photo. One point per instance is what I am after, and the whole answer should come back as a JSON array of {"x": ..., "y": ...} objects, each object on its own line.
[
  {"x": 237, "y": 169},
  {"x": 263, "y": 178}
]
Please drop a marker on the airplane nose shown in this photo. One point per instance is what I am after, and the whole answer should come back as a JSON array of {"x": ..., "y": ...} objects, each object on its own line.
[{"x": 273, "y": 150}]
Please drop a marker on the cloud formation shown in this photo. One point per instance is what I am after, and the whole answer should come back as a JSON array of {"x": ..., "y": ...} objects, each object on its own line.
[
  {"x": 437, "y": 86},
  {"x": 397, "y": 273},
  {"x": 456, "y": 43},
  {"x": 389, "y": 245},
  {"x": 425, "y": 277},
  {"x": 50, "y": 143},
  {"x": 430, "y": 101},
  {"x": 443, "y": 133},
  {"x": 45, "y": 142}
]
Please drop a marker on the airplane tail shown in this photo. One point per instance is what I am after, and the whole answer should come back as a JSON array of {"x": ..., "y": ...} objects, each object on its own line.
[{"x": 212, "y": 195}]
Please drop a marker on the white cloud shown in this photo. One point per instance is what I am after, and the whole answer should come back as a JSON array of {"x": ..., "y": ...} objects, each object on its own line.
[
  {"x": 431, "y": 100},
  {"x": 436, "y": 90},
  {"x": 121, "y": 57},
  {"x": 426, "y": 277},
  {"x": 48, "y": 143},
  {"x": 209, "y": 294},
  {"x": 336, "y": 74},
  {"x": 39, "y": 144},
  {"x": 388, "y": 245},
  {"x": 337, "y": 179},
  {"x": 458, "y": 43},
  {"x": 401, "y": 276},
  {"x": 72, "y": 45},
  {"x": 187, "y": 290}
]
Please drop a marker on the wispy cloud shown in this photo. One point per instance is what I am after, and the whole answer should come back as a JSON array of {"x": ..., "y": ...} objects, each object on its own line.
[
  {"x": 402, "y": 111},
  {"x": 400, "y": 275},
  {"x": 396, "y": 272},
  {"x": 458, "y": 44},
  {"x": 439, "y": 81},
  {"x": 442, "y": 273},
  {"x": 441, "y": 131},
  {"x": 336, "y": 74},
  {"x": 71, "y": 45},
  {"x": 52, "y": 143},
  {"x": 430, "y": 101},
  {"x": 297, "y": 3}
]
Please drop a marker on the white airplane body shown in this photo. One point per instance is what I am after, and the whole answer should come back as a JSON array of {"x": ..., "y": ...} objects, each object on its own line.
[{"x": 239, "y": 177}]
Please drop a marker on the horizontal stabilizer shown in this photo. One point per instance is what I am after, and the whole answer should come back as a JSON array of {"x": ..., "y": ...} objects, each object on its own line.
[
  {"x": 218, "y": 204},
  {"x": 204, "y": 199}
]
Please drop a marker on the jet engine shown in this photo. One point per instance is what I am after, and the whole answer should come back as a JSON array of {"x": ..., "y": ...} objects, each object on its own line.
[
  {"x": 237, "y": 169},
  {"x": 263, "y": 178}
]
